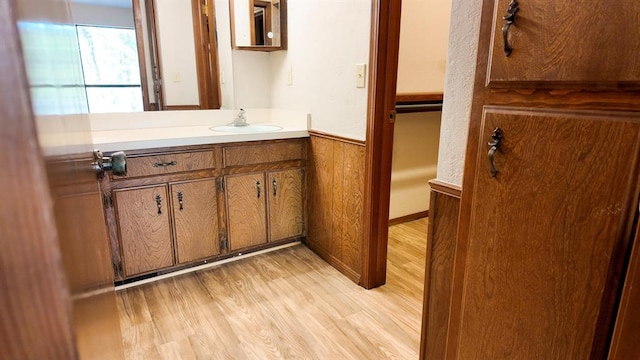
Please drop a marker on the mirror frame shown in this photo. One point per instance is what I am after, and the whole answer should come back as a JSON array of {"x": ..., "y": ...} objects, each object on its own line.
[{"x": 283, "y": 29}]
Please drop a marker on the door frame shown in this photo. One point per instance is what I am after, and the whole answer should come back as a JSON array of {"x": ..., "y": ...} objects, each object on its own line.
[
  {"x": 33, "y": 291},
  {"x": 383, "y": 65}
]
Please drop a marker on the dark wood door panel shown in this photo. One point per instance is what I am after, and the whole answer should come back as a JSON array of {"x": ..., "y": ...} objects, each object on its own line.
[
  {"x": 145, "y": 233},
  {"x": 246, "y": 210},
  {"x": 543, "y": 231},
  {"x": 285, "y": 204},
  {"x": 559, "y": 43},
  {"x": 196, "y": 219}
]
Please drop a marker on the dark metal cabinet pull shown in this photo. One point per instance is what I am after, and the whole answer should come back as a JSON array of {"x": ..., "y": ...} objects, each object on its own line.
[
  {"x": 494, "y": 144},
  {"x": 274, "y": 183},
  {"x": 180, "y": 199},
  {"x": 258, "y": 187},
  {"x": 159, "y": 203},
  {"x": 510, "y": 18},
  {"x": 165, "y": 164}
]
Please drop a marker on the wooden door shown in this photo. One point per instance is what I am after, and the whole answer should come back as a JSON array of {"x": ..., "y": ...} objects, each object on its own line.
[
  {"x": 542, "y": 244},
  {"x": 285, "y": 204},
  {"x": 543, "y": 231},
  {"x": 144, "y": 228},
  {"x": 246, "y": 210},
  {"x": 196, "y": 219},
  {"x": 57, "y": 281}
]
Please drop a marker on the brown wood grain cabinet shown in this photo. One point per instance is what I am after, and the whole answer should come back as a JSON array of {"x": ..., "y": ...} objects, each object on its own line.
[
  {"x": 247, "y": 210},
  {"x": 285, "y": 194},
  {"x": 195, "y": 214},
  {"x": 549, "y": 207},
  {"x": 179, "y": 207},
  {"x": 145, "y": 229},
  {"x": 264, "y": 202}
]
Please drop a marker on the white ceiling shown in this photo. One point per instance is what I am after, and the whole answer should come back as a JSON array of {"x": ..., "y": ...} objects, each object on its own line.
[{"x": 112, "y": 3}]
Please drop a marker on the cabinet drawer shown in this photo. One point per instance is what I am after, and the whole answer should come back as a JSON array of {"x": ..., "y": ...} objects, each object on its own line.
[
  {"x": 169, "y": 163},
  {"x": 263, "y": 153}
]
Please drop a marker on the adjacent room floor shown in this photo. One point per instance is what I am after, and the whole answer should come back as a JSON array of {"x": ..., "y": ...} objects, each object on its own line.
[{"x": 287, "y": 304}]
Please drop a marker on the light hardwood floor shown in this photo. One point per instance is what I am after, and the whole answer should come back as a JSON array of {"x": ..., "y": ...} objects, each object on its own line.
[{"x": 287, "y": 304}]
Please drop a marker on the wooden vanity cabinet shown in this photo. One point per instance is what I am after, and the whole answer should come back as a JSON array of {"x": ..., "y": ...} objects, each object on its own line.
[
  {"x": 286, "y": 217},
  {"x": 195, "y": 214},
  {"x": 179, "y": 207},
  {"x": 143, "y": 222},
  {"x": 149, "y": 220},
  {"x": 264, "y": 203}
]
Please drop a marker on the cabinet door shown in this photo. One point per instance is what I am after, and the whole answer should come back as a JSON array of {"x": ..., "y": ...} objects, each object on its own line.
[
  {"x": 594, "y": 42},
  {"x": 196, "y": 219},
  {"x": 545, "y": 232},
  {"x": 143, "y": 224},
  {"x": 285, "y": 204},
  {"x": 246, "y": 210}
]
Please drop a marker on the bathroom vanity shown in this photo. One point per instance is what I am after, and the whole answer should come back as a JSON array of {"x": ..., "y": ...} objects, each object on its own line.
[{"x": 201, "y": 196}]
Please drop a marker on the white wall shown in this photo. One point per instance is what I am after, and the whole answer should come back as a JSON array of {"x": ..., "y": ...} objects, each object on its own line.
[
  {"x": 424, "y": 29},
  {"x": 177, "y": 51},
  {"x": 415, "y": 153},
  {"x": 326, "y": 41},
  {"x": 252, "y": 79},
  {"x": 461, "y": 63}
]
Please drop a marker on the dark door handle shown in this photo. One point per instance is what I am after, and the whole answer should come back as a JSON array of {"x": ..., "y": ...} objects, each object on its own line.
[
  {"x": 494, "y": 144},
  {"x": 510, "y": 18}
]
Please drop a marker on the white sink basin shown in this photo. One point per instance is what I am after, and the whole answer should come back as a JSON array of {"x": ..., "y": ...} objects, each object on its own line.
[{"x": 246, "y": 129}]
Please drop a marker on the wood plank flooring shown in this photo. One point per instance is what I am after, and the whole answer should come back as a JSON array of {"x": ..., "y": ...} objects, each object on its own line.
[{"x": 287, "y": 304}]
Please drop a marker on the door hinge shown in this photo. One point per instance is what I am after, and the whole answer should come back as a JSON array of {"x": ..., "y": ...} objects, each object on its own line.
[
  {"x": 205, "y": 9},
  {"x": 117, "y": 269},
  {"x": 224, "y": 243},
  {"x": 220, "y": 184},
  {"x": 107, "y": 200}
]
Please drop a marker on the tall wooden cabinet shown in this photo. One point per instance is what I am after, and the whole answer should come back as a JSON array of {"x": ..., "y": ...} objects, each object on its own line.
[{"x": 550, "y": 188}]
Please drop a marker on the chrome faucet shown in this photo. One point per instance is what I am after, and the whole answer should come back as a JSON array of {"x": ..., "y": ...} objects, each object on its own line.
[{"x": 240, "y": 120}]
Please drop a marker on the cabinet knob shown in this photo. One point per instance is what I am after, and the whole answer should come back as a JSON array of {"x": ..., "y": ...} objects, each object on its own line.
[
  {"x": 180, "y": 199},
  {"x": 274, "y": 183}
]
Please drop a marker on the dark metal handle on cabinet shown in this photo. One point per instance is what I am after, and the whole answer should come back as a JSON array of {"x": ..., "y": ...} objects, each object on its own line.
[
  {"x": 274, "y": 183},
  {"x": 494, "y": 144},
  {"x": 258, "y": 187},
  {"x": 159, "y": 203},
  {"x": 180, "y": 199},
  {"x": 510, "y": 18},
  {"x": 165, "y": 164}
]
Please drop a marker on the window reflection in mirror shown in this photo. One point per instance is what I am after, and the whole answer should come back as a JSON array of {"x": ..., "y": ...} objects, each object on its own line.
[{"x": 164, "y": 77}]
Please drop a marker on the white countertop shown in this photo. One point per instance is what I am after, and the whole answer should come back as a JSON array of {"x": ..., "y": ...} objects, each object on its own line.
[{"x": 132, "y": 131}]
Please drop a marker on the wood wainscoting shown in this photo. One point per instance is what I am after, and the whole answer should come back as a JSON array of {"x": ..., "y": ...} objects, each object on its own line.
[
  {"x": 441, "y": 243},
  {"x": 335, "y": 201}
]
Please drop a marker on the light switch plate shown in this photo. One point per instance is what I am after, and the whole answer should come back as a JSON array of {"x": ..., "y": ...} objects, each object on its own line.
[{"x": 361, "y": 75}]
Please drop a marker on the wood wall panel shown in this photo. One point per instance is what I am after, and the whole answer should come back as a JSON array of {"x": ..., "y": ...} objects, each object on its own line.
[
  {"x": 441, "y": 242},
  {"x": 335, "y": 201}
]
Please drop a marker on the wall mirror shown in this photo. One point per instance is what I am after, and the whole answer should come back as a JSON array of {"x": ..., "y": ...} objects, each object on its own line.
[
  {"x": 157, "y": 29},
  {"x": 259, "y": 25}
]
